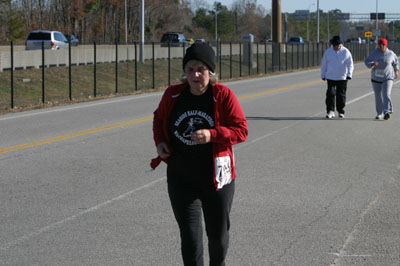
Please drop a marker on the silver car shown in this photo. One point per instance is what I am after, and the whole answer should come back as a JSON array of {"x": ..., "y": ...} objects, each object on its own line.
[{"x": 51, "y": 40}]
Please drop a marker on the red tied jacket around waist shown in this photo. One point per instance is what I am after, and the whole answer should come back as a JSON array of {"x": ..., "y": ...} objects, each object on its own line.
[{"x": 230, "y": 128}]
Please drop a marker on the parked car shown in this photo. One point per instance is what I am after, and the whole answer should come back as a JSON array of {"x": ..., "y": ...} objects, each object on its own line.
[
  {"x": 173, "y": 39},
  {"x": 71, "y": 38},
  {"x": 296, "y": 40},
  {"x": 200, "y": 41},
  {"x": 51, "y": 39},
  {"x": 355, "y": 40},
  {"x": 263, "y": 41}
]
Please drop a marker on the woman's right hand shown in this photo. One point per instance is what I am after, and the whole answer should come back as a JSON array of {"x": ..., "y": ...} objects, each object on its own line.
[{"x": 162, "y": 150}]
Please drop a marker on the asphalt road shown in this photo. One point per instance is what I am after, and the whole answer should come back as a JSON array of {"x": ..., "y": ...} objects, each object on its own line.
[{"x": 309, "y": 192}]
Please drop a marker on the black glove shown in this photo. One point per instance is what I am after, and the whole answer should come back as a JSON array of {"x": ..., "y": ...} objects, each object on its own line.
[
  {"x": 323, "y": 79},
  {"x": 348, "y": 78}
]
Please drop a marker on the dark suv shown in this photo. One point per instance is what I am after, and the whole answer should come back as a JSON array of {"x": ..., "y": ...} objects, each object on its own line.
[
  {"x": 72, "y": 39},
  {"x": 296, "y": 40},
  {"x": 174, "y": 39}
]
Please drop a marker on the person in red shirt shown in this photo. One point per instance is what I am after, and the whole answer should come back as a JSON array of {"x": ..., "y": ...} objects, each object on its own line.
[{"x": 194, "y": 128}]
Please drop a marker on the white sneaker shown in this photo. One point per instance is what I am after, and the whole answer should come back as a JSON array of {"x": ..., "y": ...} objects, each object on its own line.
[
  {"x": 330, "y": 115},
  {"x": 379, "y": 117},
  {"x": 341, "y": 115}
]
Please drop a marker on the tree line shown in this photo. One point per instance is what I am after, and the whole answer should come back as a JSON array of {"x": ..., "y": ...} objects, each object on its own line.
[{"x": 103, "y": 21}]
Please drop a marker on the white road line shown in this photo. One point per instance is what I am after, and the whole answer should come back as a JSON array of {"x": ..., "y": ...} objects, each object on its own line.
[
  {"x": 352, "y": 235},
  {"x": 359, "y": 98},
  {"x": 350, "y": 255},
  {"x": 73, "y": 217},
  {"x": 366, "y": 95},
  {"x": 80, "y": 106}
]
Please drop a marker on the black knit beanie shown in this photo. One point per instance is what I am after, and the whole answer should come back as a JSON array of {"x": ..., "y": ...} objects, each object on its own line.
[
  {"x": 336, "y": 40},
  {"x": 202, "y": 52}
]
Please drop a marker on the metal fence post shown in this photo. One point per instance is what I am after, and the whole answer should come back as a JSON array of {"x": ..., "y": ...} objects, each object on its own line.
[
  {"x": 94, "y": 70},
  {"x": 116, "y": 66},
  {"x": 136, "y": 78},
  {"x": 69, "y": 70},
  {"x": 273, "y": 56},
  {"x": 12, "y": 75},
  {"x": 298, "y": 55},
  {"x": 220, "y": 59},
  {"x": 230, "y": 59},
  {"x": 265, "y": 58},
  {"x": 250, "y": 59},
  {"x": 313, "y": 57},
  {"x": 240, "y": 59},
  {"x": 279, "y": 56},
  {"x": 153, "y": 70},
  {"x": 169, "y": 64},
  {"x": 257, "y": 58},
  {"x": 43, "y": 66},
  {"x": 286, "y": 56}
]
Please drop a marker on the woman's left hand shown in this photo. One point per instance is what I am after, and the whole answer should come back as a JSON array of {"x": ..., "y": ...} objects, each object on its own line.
[
  {"x": 201, "y": 136},
  {"x": 396, "y": 74}
]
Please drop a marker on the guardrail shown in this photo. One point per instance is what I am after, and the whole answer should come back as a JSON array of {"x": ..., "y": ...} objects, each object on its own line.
[{"x": 81, "y": 55}]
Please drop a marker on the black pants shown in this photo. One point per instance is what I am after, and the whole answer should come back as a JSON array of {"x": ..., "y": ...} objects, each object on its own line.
[
  {"x": 188, "y": 201},
  {"x": 336, "y": 94}
]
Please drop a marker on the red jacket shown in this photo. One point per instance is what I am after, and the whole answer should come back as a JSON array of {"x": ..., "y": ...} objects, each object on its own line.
[{"x": 230, "y": 128}]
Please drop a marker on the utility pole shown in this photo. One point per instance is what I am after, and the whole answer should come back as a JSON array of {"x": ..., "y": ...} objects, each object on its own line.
[
  {"x": 276, "y": 33},
  {"x": 276, "y": 21}
]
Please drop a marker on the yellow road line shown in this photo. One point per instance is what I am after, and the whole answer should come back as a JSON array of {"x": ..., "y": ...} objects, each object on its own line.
[
  {"x": 141, "y": 120},
  {"x": 74, "y": 135}
]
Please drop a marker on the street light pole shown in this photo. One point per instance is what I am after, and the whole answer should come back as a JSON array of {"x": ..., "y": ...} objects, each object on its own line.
[
  {"x": 318, "y": 21},
  {"x": 216, "y": 22},
  {"x": 328, "y": 27},
  {"x": 377, "y": 27},
  {"x": 308, "y": 21}
]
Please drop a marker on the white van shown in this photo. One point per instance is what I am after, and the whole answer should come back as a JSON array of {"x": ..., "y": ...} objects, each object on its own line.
[
  {"x": 51, "y": 39},
  {"x": 355, "y": 40}
]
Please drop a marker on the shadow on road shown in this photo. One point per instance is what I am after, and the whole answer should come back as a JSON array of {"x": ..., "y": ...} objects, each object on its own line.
[{"x": 308, "y": 118}]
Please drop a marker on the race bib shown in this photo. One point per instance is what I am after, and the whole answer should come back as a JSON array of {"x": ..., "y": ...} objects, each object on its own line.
[
  {"x": 223, "y": 171},
  {"x": 379, "y": 73}
]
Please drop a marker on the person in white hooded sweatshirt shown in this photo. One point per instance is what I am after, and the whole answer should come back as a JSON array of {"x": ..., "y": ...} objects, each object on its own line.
[{"x": 337, "y": 68}]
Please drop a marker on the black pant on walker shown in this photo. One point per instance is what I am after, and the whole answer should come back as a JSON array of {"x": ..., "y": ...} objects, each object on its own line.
[{"x": 336, "y": 95}]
